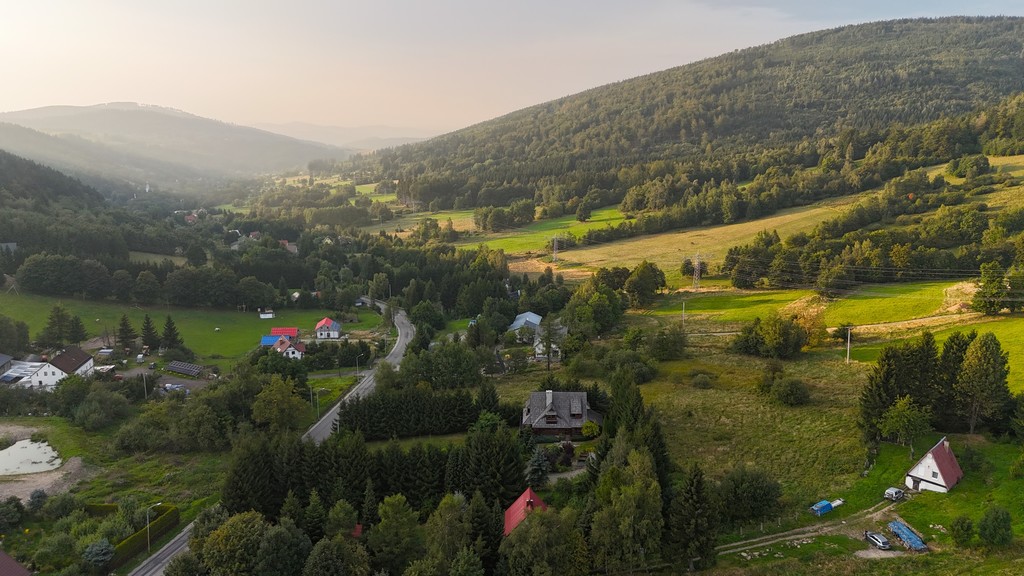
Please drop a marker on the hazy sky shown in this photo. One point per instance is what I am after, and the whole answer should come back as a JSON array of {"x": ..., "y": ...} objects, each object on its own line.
[{"x": 430, "y": 64}]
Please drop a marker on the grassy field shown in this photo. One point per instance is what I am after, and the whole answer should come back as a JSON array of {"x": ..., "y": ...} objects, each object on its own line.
[
  {"x": 875, "y": 303},
  {"x": 239, "y": 331},
  {"x": 731, "y": 305},
  {"x": 534, "y": 237},
  {"x": 152, "y": 257},
  {"x": 668, "y": 250}
]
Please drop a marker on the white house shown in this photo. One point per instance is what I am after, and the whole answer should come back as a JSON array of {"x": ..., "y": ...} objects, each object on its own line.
[
  {"x": 328, "y": 329},
  {"x": 539, "y": 352},
  {"x": 74, "y": 360},
  {"x": 290, "y": 348},
  {"x": 529, "y": 320},
  {"x": 937, "y": 470},
  {"x": 41, "y": 375}
]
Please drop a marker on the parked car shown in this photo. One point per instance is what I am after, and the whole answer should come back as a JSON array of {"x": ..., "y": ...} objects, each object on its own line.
[
  {"x": 893, "y": 494},
  {"x": 877, "y": 540}
]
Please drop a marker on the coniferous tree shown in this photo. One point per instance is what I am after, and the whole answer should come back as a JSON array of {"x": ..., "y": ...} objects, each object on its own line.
[
  {"x": 170, "y": 337},
  {"x": 369, "y": 516},
  {"x": 326, "y": 559},
  {"x": 455, "y": 470},
  {"x": 537, "y": 469},
  {"x": 486, "y": 527},
  {"x": 879, "y": 393},
  {"x": 314, "y": 516},
  {"x": 944, "y": 407},
  {"x": 692, "y": 522},
  {"x": 341, "y": 520},
  {"x": 397, "y": 539},
  {"x": 981, "y": 387},
  {"x": 76, "y": 330},
  {"x": 58, "y": 325},
  {"x": 251, "y": 482},
  {"x": 150, "y": 337},
  {"x": 487, "y": 398},
  {"x": 991, "y": 294},
  {"x": 126, "y": 334},
  {"x": 466, "y": 563},
  {"x": 447, "y": 530},
  {"x": 292, "y": 508}
]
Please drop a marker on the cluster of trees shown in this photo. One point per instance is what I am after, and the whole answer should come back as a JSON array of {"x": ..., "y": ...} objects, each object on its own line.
[
  {"x": 14, "y": 338},
  {"x": 999, "y": 288},
  {"x": 774, "y": 337},
  {"x": 408, "y": 412},
  {"x": 840, "y": 254},
  {"x": 914, "y": 387},
  {"x": 491, "y": 219}
]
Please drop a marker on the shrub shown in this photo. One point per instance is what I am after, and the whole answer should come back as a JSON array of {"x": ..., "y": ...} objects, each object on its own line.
[
  {"x": 972, "y": 460},
  {"x": 702, "y": 381},
  {"x": 98, "y": 554},
  {"x": 746, "y": 494},
  {"x": 791, "y": 392},
  {"x": 962, "y": 531},
  {"x": 591, "y": 429},
  {"x": 11, "y": 511},
  {"x": 37, "y": 500},
  {"x": 60, "y": 506},
  {"x": 995, "y": 528}
]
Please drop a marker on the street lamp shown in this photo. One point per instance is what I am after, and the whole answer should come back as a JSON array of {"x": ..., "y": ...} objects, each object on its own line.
[
  {"x": 357, "y": 365},
  {"x": 318, "y": 392},
  {"x": 149, "y": 548}
]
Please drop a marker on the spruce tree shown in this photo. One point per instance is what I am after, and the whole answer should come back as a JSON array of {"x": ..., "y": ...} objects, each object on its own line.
[
  {"x": 537, "y": 469},
  {"x": 283, "y": 550},
  {"x": 455, "y": 470},
  {"x": 692, "y": 522},
  {"x": 170, "y": 337},
  {"x": 150, "y": 337},
  {"x": 292, "y": 508},
  {"x": 981, "y": 387},
  {"x": 76, "y": 330},
  {"x": 944, "y": 408},
  {"x": 126, "y": 334},
  {"x": 55, "y": 334},
  {"x": 991, "y": 294},
  {"x": 314, "y": 517},
  {"x": 369, "y": 514}
]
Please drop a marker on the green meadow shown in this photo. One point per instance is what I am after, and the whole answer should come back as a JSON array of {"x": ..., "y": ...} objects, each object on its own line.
[
  {"x": 535, "y": 237},
  {"x": 239, "y": 331},
  {"x": 877, "y": 303},
  {"x": 728, "y": 306}
]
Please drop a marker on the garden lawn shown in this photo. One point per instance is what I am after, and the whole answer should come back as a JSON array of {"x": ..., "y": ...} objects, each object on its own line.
[{"x": 877, "y": 303}]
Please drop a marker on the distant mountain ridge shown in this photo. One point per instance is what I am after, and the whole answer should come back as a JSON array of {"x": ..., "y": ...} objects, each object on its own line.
[
  {"x": 352, "y": 137},
  {"x": 139, "y": 143}
]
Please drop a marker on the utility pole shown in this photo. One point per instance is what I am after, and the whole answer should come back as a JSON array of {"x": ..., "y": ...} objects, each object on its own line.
[
  {"x": 848, "y": 328},
  {"x": 554, "y": 250},
  {"x": 684, "y": 312}
]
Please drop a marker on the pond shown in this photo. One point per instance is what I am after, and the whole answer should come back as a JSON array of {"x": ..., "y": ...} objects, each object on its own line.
[{"x": 28, "y": 457}]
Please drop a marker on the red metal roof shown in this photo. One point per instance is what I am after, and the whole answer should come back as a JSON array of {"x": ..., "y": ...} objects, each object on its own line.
[
  {"x": 516, "y": 513},
  {"x": 289, "y": 332},
  {"x": 946, "y": 462}
]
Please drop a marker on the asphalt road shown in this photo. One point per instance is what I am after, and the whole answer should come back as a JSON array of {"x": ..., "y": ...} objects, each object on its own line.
[{"x": 155, "y": 564}]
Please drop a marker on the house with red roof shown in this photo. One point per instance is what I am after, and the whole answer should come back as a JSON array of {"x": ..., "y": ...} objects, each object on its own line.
[
  {"x": 290, "y": 332},
  {"x": 328, "y": 329},
  {"x": 527, "y": 502},
  {"x": 936, "y": 471}
]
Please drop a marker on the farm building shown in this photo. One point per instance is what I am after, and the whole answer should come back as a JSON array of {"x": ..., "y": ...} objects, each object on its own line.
[
  {"x": 290, "y": 332},
  {"x": 937, "y": 470},
  {"x": 328, "y": 329},
  {"x": 527, "y": 502},
  {"x": 553, "y": 413}
]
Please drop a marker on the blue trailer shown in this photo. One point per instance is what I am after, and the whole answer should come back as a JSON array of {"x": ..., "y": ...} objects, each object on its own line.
[
  {"x": 909, "y": 538},
  {"x": 821, "y": 508}
]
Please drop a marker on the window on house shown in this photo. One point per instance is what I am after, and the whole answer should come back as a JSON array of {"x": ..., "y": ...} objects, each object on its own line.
[
  {"x": 551, "y": 419},
  {"x": 935, "y": 474}
]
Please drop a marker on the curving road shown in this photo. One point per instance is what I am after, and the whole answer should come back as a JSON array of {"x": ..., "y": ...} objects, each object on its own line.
[{"x": 155, "y": 564}]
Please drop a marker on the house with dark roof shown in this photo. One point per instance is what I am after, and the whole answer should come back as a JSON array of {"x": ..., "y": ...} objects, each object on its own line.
[
  {"x": 74, "y": 360},
  {"x": 10, "y": 567},
  {"x": 553, "y": 413},
  {"x": 936, "y": 471},
  {"x": 527, "y": 502},
  {"x": 328, "y": 329},
  {"x": 289, "y": 348}
]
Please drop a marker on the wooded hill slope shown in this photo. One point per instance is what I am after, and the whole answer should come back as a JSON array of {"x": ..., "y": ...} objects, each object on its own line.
[{"x": 728, "y": 117}]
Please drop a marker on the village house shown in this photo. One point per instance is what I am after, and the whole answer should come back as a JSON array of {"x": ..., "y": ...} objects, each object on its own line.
[
  {"x": 289, "y": 348},
  {"x": 74, "y": 360},
  {"x": 936, "y": 471},
  {"x": 527, "y": 502},
  {"x": 328, "y": 329},
  {"x": 41, "y": 375},
  {"x": 540, "y": 348},
  {"x": 551, "y": 413}
]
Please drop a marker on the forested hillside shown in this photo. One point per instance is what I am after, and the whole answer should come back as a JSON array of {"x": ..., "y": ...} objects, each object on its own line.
[{"x": 726, "y": 118}]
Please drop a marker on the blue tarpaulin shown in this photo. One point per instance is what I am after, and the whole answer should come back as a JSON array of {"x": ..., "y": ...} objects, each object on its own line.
[{"x": 907, "y": 536}]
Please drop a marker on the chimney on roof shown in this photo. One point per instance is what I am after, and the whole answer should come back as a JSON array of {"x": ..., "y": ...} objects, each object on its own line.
[
  {"x": 550, "y": 395},
  {"x": 529, "y": 504}
]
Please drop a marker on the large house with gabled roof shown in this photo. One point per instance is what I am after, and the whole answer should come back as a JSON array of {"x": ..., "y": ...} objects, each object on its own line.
[
  {"x": 936, "y": 471},
  {"x": 552, "y": 413}
]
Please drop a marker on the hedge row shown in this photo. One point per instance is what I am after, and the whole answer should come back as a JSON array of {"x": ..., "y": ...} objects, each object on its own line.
[{"x": 167, "y": 518}]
